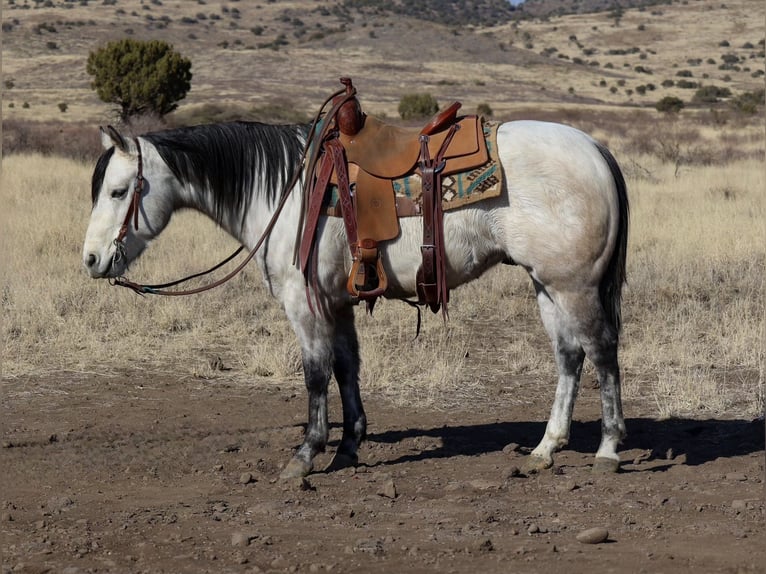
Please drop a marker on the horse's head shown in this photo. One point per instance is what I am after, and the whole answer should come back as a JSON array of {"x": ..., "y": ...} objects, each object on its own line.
[{"x": 128, "y": 210}]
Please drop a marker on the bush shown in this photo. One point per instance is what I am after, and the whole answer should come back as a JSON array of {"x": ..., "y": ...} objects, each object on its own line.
[
  {"x": 670, "y": 104},
  {"x": 483, "y": 109},
  {"x": 140, "y": 77},
  {"x": 710, "y": 94},
  {"x": 687, "y": 85},
  {"x": 417, "y": 106},
  {"x": 749, "y": 102}
]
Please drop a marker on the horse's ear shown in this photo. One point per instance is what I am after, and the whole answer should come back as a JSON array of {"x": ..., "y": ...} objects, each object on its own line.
[{"x": 110, "y": 137}]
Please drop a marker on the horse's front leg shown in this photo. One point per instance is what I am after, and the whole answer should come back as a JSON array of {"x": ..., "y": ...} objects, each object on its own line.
[
  {"x": 316, "y": 375},
  {"x": 316, "y": 340},
  {"x": 346, "y": 369}
]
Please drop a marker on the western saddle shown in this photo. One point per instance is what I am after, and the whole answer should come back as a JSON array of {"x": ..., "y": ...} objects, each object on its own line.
[{"x": 361, "y": 156}]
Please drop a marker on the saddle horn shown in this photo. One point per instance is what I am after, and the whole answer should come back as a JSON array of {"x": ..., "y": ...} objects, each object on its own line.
[{"x": 349, "y": 117}]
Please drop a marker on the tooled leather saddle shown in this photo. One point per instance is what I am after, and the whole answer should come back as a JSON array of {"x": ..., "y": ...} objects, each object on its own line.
[{"x": 359, "y": 156}]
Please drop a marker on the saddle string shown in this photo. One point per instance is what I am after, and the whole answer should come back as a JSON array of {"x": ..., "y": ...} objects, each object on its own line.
[{"x": 160, "y": 289}]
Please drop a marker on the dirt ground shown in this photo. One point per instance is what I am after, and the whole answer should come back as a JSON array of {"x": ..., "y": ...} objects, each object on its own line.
[{"x": 152, "y": 473}]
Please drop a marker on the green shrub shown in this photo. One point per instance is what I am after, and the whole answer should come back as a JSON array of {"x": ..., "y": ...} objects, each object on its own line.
[
  {"x": 417, "y": 106},
  {"x": 686, "y": 84},
  {"x": 483, "y": 109},
  {"x": 670, "y": 104},
  {"x": 140, "y": 77},
  {"x": 710, "y": 94},
  {"x": 749, "y": 102}
]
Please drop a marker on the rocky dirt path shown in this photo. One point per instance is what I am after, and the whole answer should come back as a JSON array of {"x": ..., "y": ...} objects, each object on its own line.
[{"x": 155, "y": 474}]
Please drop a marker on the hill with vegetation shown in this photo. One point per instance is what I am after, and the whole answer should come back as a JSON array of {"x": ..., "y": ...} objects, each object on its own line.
[{"x": 276, "y": 61}]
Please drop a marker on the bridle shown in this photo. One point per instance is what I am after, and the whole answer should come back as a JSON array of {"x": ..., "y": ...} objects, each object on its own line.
[
  {"x": 138, "y": 188},
  {"x": 133, "y": 208}
]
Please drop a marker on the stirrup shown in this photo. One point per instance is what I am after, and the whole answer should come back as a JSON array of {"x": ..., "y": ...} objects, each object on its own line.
[{"x": 358, "y": 290}]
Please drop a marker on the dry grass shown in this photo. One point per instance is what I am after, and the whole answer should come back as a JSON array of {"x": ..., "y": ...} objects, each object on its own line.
[{"x": 694, "y": 308}]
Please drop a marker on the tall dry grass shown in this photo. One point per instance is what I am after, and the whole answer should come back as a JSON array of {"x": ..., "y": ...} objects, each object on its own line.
[{"x": 694, "y": 311}]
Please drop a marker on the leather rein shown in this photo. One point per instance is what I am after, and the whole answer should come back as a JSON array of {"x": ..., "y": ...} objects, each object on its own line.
[{"x": 133, "y": 211}]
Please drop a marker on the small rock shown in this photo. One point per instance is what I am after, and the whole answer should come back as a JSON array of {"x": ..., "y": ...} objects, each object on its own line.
[
  {"x": 510, "y": 447},
  {"x": 388, "y": 489},
  {"x": 59, "y": 503},
  {"x": 595, "y": 535},
  {"x": 482, "y": 484},
  {"x": 513, "y": 472},
  {"x": 246, "y": 478},
  {"x": 304, "y": 485},
  {"x": 533, "y": 529},
  {"x": 6, "y": 517},
  {"x": 569, "y": 486},
  {"x": 484, "y": 545},
  {"x": 642, "y": 456},
  {"x": 670, "y": 454},
  {"x": 736, "y": 476},
  {"x": 739, "y": 505},
  {"x": 240, "y": 539}
]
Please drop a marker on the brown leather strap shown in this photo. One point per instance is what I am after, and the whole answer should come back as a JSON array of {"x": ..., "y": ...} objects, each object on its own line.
[
  {"x": 432, "y": 276},
  {"x": 348, "y": 210},
  {"x": 135, "y": 201},
  {"x": 316, "y": 196}
]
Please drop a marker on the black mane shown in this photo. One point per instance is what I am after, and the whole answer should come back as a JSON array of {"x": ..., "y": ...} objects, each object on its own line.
[{"x": 230, "y": 160}]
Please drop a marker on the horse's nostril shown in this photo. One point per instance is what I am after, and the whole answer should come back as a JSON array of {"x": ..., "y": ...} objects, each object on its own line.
[{"x": 91, "y": 261}]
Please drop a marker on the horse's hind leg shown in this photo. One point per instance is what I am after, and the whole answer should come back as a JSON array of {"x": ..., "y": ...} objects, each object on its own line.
[
  {"x": 578, "y": 327},
  {"x": 569, "y": 356},
  {"x": 602, "y": 351},
  {"x": 346, "y": 369}
]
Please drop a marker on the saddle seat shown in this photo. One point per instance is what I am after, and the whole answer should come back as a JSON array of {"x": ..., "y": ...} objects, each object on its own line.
[{"x": 391, "y": 152}]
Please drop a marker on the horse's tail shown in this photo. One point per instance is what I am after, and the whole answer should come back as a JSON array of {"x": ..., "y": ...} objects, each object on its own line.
[{"x": 610, "y": 289}]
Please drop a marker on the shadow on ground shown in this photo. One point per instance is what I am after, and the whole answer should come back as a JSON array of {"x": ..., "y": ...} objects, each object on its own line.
[{"x": 700, "y": 440}]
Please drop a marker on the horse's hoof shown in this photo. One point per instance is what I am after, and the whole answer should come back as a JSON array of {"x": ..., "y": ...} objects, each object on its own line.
[
  {"x": 341, "y": 461},
  {"x": 535, "y": 463},
  {"x": 603, "y": 465},
  {"x": 296, "y": 468}
]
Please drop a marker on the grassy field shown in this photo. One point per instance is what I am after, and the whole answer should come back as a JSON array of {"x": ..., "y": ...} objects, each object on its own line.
[{"x": 694, "y": 307}]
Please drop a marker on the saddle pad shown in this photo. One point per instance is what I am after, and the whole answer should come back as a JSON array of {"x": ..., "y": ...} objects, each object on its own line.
[{"x": 459, "y": 189}]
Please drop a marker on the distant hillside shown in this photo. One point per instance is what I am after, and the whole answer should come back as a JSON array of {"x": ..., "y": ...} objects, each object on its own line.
[
  {"x": 450, "y": 12},
  {"x": 277, "y": 59},
  {"x": 490, "y": 12},
  {"x": 548, "y": 8}
]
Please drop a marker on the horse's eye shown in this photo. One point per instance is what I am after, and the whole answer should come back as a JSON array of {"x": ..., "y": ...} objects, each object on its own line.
[{"x": 119, "y": 193}]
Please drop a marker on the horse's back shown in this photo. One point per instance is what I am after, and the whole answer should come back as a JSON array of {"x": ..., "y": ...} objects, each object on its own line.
[{"x": 563, "y": 214}]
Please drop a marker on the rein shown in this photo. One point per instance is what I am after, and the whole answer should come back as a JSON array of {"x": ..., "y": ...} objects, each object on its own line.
[{"x": 161, "y": 289}]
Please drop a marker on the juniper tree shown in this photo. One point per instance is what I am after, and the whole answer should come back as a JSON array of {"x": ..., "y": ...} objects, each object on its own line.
[{"x": 140, "y": 77}]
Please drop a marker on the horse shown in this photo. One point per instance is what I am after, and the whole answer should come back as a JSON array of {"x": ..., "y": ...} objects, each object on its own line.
[{"x": 562, "y": 215}]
